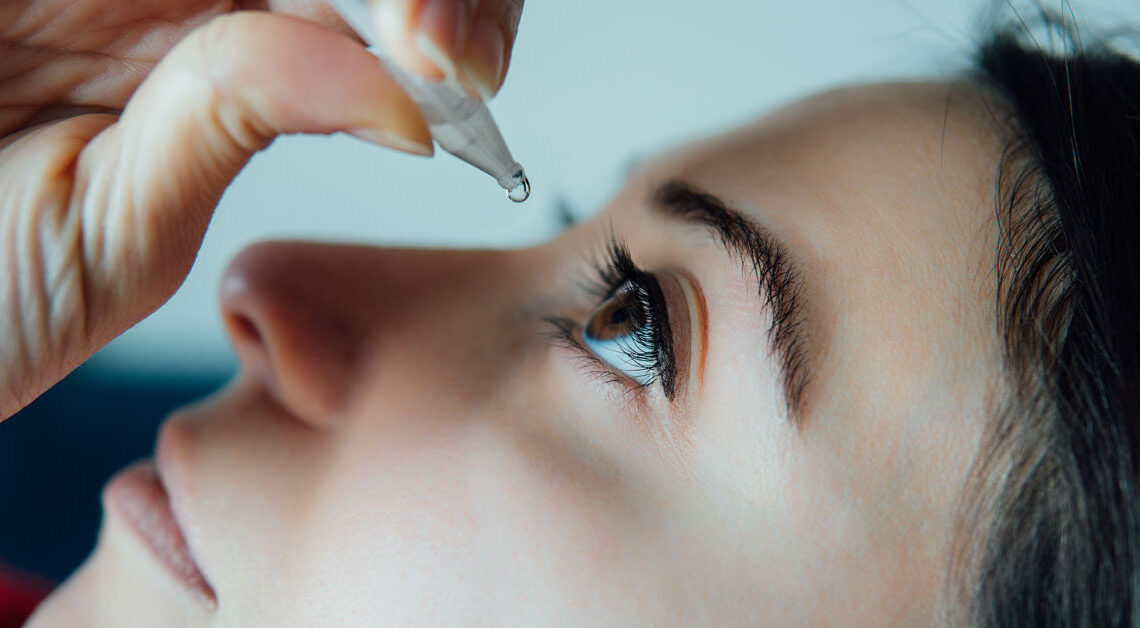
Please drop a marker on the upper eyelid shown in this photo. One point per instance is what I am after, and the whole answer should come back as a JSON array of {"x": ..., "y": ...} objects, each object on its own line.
[
  {"x": 779, "y": 280},
  {"x": 693, "y": 309}
]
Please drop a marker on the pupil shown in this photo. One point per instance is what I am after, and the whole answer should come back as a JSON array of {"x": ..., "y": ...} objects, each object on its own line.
[{"x": 619, "y": 316}]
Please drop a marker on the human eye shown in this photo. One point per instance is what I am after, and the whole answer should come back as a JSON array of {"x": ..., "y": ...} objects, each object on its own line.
[{"x": 628, "y": 334}]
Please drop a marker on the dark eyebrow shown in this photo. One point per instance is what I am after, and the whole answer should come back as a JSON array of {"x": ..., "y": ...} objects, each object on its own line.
[{"x": 778, "y": 279}]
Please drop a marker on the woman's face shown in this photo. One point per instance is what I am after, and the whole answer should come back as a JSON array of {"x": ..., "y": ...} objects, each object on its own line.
[{"x": 765, "y": 414}]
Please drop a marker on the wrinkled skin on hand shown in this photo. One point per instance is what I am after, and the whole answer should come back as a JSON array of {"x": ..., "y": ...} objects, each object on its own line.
[{"x": 67, "y": 70}]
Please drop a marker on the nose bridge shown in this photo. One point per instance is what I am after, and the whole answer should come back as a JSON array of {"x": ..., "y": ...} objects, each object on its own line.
[{"x": 320, "y": 323}]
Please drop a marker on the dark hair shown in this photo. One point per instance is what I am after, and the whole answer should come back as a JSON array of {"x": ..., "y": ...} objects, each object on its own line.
[{"x": 1051, "y": 529}]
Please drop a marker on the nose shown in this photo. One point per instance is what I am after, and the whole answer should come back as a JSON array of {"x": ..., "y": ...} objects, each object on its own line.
[{"x": 311, "y": 320}]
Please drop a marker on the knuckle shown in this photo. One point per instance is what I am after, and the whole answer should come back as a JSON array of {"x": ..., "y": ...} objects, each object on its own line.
[
  {"x": 223, "y": 50},
  {"x": 218, "y": 32},
  {"x": 219, "y": 42}
]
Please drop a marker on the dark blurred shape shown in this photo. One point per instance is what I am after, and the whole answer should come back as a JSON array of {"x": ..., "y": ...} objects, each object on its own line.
[
  {"x": 56, "y": 455},
  {"x": 20, "y": 593},
  {"x": 565, "y": 213}
]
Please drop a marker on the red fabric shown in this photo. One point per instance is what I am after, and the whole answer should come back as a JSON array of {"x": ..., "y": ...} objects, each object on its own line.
[{"x": 19, "y": 594}]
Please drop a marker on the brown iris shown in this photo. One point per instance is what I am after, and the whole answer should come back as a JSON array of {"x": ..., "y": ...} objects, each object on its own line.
[{"x": 621, "y": 315}]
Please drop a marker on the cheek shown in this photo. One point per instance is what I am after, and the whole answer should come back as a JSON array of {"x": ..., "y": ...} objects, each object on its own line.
[
  {"x": 389, "y": 527},
  {"x": 476, "y": 519}
]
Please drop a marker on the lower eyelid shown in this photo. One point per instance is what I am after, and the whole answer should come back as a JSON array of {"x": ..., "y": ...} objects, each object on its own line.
[{"x": 567, "y": 333}]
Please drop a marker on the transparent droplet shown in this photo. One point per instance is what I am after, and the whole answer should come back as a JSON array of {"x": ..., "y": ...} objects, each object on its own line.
[{"x": 521, "y": 191}]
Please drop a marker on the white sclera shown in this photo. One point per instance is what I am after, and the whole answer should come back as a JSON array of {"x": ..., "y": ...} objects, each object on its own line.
[{"x": 611, "y": 352}]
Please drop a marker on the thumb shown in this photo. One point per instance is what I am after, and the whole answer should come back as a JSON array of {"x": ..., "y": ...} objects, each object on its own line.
[
  {"x": 467, "y": 40},
  {"x": 151, "y": 182}
]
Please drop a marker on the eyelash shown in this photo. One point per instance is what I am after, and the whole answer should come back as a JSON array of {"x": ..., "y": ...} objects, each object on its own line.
[{"x": 613, "y": 273}]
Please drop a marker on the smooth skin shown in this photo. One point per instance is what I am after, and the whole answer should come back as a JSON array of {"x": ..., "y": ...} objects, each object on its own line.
[
  {"x": 405, "y": 445},
  {"x": 121, "y": 124}
]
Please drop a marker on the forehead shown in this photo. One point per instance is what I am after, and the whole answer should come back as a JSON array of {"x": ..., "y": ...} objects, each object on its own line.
[{"x": 897, "y": 154}]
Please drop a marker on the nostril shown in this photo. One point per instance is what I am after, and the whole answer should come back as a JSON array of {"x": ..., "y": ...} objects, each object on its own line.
[
  {"x": 242, "y": 329},
  {"x": 296, "y": 316}
]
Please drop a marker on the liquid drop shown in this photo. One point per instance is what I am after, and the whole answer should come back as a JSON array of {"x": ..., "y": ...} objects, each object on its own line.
[{"x": 520, "y": 192}]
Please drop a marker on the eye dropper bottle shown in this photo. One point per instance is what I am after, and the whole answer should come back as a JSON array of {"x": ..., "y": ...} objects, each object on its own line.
[{"x": 460, "y": 124}]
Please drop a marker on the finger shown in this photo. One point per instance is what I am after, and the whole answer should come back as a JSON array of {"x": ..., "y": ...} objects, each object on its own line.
[
  {"x": 467, "y": 40},
  {"x": 151, "y": 182},
  {"x": 492, "y": 38},
  {"x": 44, "y": 333}
]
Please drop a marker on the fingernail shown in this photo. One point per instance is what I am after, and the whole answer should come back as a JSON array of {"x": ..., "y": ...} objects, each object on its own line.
[
  {"x": 384, "y": 137},
  {"x": 482, "y": 64},
  {"x": 441, "y": 33}
]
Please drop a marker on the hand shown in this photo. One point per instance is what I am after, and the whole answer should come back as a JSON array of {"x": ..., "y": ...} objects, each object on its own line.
[{"x": 121, "y": 124}]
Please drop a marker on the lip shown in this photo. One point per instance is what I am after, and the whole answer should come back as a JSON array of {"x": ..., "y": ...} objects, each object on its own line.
[{"x": 137, "y": 496}]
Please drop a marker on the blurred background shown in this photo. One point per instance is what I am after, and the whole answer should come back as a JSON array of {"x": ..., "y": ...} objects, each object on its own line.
[{"x": 593, "y": 85}]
